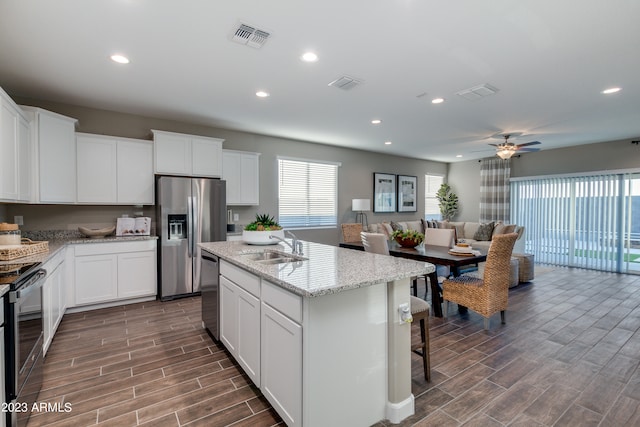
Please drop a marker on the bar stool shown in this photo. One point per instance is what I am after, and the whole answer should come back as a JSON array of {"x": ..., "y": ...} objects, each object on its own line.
[{"x": 420, "y": 312}]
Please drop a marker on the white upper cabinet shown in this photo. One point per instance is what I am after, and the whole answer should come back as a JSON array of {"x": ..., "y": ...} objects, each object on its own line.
[
  {"x": 135, "y": 172},
  {"x": 114, "y": 170},
  {"x": 54, "y": 139},
  {"x": 190, "y": 155},
  {"x": 97, "y": 169},
  {"x": 241, "y": 171},
  {"x": 15, "y": 156}
]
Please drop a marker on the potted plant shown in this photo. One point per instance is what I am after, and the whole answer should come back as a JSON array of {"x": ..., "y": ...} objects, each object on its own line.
[
  {"x": 259, "y": 231},
  {"x": 408, "y": 238},
  {"x": 447, "y": 201}
]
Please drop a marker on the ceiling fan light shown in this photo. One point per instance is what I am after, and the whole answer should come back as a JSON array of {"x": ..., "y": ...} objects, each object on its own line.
[{"x": 504, "y": 154}]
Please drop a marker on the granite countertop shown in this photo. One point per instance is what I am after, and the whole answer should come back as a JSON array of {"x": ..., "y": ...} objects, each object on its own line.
[
  {"x": 59, "y": 239},
  {"x": 326, "y": 269},
  {"x": 4, "y": 289}
]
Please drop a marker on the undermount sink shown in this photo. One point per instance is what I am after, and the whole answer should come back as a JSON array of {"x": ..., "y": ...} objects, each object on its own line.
[{"x": 272, "y": 257}]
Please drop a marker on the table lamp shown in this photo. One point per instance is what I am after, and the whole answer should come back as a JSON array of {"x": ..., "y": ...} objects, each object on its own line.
[{"x": 361, "y": 206}]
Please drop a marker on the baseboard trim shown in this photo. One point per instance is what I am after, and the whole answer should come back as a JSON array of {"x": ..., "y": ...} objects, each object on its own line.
[{"x": 396, "y": 412}]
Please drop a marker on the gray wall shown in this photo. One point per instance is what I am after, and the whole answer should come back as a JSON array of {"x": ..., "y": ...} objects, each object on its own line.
[
  {"x": 604, "y": 156},
  {"x": 355, "y": 175}
]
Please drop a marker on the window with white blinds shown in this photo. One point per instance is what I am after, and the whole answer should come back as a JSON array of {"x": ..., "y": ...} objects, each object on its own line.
[
  {"x": 432, "y": 184},
  {"x": 308, "y": 193},
  {"x": 580, "y": 221}
]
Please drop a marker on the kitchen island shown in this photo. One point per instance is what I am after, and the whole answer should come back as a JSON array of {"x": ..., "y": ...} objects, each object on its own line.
[{"x": 320, "y": 336}]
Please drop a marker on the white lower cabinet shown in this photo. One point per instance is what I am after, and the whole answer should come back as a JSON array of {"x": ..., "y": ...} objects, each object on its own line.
[
  {"x": 107, "y": 272},
  {"x": 281, "y": 354},
  {"x": 53, "y": 297},
  {"x": 240, "y": 318}
]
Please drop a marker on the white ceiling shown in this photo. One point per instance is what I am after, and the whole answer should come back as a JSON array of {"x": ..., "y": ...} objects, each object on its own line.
[{"x": 549, "y": 59}]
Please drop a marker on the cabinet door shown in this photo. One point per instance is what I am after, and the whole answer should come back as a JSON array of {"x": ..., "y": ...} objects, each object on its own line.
[
  {"x": 172, "y": 153},
  {"x": 281, "y": 357},
  {"x": 96, "y": 278},
  {"x": 25, "y": 161},
  {"x": 231, "y": 174},
  {"x": 137, "y": 274},
  {"x": 57, "y": 158},
  {"x": 248, "y": 349},
  {"x": 206, "y": 157},
  {"x": 135, "y": 172},
  {"x": 47, "y": 313},
  {"x": 96, "y": 169},
  {"x": 250, "y": 179},
  {"x": 229, "y": 314},
  {"x": 8, "y": 151}
]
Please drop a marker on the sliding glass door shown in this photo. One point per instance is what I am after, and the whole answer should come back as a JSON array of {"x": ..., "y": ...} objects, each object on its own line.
[{"x": 581, "y": 221}]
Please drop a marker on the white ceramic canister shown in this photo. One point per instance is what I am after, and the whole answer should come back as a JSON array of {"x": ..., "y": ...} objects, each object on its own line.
[{"x": 9, "y": 234}]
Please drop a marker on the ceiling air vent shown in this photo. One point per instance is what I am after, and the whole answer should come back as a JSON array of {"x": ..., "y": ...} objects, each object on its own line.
[
  {"x": 345, "y": 83},
  {"x": 477, "y": 92},
  {"x": 249, "y": 35}
]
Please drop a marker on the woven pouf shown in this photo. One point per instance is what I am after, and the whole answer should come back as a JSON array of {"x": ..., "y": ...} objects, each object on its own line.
[
  {"x": 513, "y": 277},
  {"x": 525, "y": 266}
]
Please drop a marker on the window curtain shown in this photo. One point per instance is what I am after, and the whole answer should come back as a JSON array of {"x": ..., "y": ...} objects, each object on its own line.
[
  {"x": 577, "y": 221},
  {"x": 494, "y": 190}
]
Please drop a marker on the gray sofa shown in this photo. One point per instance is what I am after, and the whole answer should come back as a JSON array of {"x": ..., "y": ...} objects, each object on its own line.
[{"x": 465, "y": 231}]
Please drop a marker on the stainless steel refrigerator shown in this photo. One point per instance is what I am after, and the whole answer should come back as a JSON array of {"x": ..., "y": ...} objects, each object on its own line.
[{"x": 188, "y": 211}]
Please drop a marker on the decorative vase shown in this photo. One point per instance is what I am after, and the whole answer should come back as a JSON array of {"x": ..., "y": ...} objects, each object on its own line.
[{"x": 262, "y": 237}]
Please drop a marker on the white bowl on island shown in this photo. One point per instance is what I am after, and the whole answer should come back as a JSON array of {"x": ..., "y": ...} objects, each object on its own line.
[{"x": 262, "y": 237}]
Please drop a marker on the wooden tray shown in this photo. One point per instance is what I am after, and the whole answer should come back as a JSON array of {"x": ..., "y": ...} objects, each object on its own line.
[{"x": 28, "y": 247}]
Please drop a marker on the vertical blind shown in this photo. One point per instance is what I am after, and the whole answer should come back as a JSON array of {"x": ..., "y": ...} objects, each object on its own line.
[
  {"x": 578, "y": 221},
  {"x": 307, "y": 193},
  {"x": 432, "y": 184}
]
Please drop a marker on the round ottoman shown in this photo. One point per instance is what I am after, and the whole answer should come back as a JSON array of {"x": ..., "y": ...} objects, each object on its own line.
[
  {"x": 525, "y": 266},
  {"x": 513, "y": 277}
]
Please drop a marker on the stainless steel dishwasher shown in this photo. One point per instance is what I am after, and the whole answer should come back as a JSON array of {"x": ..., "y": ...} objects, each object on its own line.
[{"x": 210, "y": 290}]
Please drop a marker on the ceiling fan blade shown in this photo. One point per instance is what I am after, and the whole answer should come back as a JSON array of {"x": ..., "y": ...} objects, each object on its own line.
[
  {"x": 528, "y": 150},
  {"x": 529, "y": 143}
]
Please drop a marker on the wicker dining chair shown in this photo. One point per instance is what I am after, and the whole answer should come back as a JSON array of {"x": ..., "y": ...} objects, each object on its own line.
[
  {"x": 351, "y": 232},
  {"x": 489, "y": 294},
  {"x": 420, "y": 309}
]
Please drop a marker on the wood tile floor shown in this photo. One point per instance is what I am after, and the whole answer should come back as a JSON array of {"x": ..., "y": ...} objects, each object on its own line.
[{"x": 568, "y": 356}]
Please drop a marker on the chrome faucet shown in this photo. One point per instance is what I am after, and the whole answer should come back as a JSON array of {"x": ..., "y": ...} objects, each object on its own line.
[{"x": 295, "y": 245}]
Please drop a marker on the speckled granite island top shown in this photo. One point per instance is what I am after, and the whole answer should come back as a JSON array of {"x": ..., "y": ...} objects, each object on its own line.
[{"x": 326, "y": 269}]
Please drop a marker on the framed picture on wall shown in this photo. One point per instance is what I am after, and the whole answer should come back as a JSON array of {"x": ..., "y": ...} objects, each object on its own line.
[
  {"x": 384, "y": 192},
  {"x": 407, "y": 193}
]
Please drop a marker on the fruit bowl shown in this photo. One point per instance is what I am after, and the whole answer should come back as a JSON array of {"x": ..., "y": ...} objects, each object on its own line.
[
  {"x": 407, "y": 242},
  {"x": 96, "y": 233}
]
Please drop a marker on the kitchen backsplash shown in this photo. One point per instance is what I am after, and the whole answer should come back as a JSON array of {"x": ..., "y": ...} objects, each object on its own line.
[{"x": 61, "y": 218}]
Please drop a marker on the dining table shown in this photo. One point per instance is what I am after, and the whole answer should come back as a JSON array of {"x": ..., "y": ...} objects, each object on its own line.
[{"x": 437, "y": 255}]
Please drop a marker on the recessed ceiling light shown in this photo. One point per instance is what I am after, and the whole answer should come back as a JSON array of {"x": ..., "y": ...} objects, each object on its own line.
[
  {"x": 309, "y": 57},
  {"x": 262, "y": 94},
  {"x": 459, "y": 156},
  {"x": 611, "y": 90},
  {"x": 376, "y": 121},
  {"x": 437, "y": 100},
  {"x": 120, "y": 59},
  {"x": 388, "y": 143}
]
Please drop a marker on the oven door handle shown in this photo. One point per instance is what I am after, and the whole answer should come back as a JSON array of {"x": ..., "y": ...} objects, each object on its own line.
[{"x": 28, "y": 283}]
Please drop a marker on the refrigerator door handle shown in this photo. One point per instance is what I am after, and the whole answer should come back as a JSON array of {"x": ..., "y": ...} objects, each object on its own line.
[
  {"x": 190, "y": 221},
  {"x": 195, "y": 226}
]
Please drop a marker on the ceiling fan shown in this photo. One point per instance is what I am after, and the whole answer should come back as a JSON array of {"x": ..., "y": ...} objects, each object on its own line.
[{"x": 508, "y": 149}]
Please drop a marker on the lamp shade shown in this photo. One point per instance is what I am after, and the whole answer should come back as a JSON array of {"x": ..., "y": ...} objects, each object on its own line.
[{"x": 360, "y": 205}]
